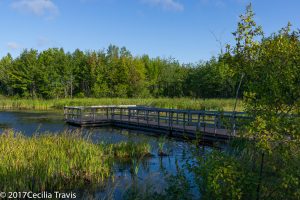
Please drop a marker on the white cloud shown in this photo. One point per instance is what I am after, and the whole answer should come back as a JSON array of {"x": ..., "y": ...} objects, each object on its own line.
[
  {"x": 13, "y": 45},
  {"x": 166, "y": 4},
  {"x": 37, "y": 7}
]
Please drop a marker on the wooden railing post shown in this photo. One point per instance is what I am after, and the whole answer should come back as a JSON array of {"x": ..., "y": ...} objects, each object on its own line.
[
  {"x": 204, "y": 123},
  {"x": 215, "y": 124},
  {"x": 147, "y": 112},
  {"x": 121, "y": 113},
  {"x": 171, "y": 120},
  {"x": 158, "y": 118},
  {"x": 166, "y": 117},
  {"x": 138, "y": 117},
  {"x": 112, "y": 113},
  {"x": 106, "y": 113},
  {"x": 129, "y": 113},
  {"x": 94, "y": 114},
  {"x": 198, "y": 127},
  {"x": 65, "y": 113},
  {"x": 184, "y": 122},
  {"x": 80, "y": 110}
]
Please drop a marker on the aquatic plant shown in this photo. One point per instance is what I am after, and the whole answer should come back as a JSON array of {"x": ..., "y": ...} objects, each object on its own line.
[
  {"x": 58, "y": 161},
  {"x": 161, "y": 144},
  {"x": 129, "y": 149}
]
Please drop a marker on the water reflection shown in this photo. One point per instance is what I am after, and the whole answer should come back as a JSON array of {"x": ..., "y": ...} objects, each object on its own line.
[{"x": 32, "y": 122}]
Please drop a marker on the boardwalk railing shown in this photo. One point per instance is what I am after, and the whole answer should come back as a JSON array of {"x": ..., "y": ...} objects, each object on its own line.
[{"x": 213, "y": 123}]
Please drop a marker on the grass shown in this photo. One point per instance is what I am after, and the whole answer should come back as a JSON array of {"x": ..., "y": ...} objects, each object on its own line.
[
  {"x": 59, "y": 161},
  {"x": 179, "y": 103}
]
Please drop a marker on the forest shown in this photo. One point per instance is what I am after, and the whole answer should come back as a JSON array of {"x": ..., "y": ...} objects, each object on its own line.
[{"x": 114, "y": 72}]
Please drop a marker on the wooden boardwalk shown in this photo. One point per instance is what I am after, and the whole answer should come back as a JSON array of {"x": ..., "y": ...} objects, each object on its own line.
[{"x": 209, "y": 125}]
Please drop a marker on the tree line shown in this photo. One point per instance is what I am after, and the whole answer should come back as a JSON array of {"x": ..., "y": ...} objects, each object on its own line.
[{"x": 113, "y": 72}]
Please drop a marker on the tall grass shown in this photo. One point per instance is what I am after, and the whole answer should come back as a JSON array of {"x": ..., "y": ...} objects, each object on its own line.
[
  {"x": 178, "y": 103},
  {"x": 59, "y": 161}
]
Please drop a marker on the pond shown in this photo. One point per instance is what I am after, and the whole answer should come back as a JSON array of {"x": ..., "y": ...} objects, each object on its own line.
[{"x": 150, "y": 171}]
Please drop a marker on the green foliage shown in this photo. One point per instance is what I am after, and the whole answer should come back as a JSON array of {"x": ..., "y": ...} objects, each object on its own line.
[
  {"x": 213, "y": 79},
  {"x": 221, "y": 176},
  {"x": 272, "y": 96}
]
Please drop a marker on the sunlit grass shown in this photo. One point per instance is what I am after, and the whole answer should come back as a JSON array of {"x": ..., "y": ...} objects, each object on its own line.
[
  {"x": 178, "y": 103},
  {"x": 59, "y": 161}
]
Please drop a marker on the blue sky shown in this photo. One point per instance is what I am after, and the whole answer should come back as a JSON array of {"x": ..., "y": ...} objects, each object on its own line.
[{"x": 183, "y": 29}]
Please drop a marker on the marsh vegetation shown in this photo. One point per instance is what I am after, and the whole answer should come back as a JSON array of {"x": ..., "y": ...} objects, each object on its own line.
[
  {"x": 60, "y": 161},
  {"x": 179, "y": 103}
]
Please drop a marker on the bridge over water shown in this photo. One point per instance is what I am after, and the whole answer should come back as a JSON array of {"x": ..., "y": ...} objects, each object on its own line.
[{"x": 209, "y": 125}]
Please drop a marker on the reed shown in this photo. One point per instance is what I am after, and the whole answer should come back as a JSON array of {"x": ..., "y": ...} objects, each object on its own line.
[
  {"x": 178, "y": 103},
  {"x": 59, "y": 161},
  {"x": 127, "y": 150}
]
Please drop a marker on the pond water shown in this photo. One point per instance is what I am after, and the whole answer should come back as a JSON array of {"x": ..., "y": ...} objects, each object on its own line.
[{"x": 150, "y": 171}]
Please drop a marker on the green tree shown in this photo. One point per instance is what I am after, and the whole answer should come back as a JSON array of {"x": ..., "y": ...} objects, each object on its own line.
[
  {"x": 5, "y": 67},
  {"x": 25, "y": 74}
]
